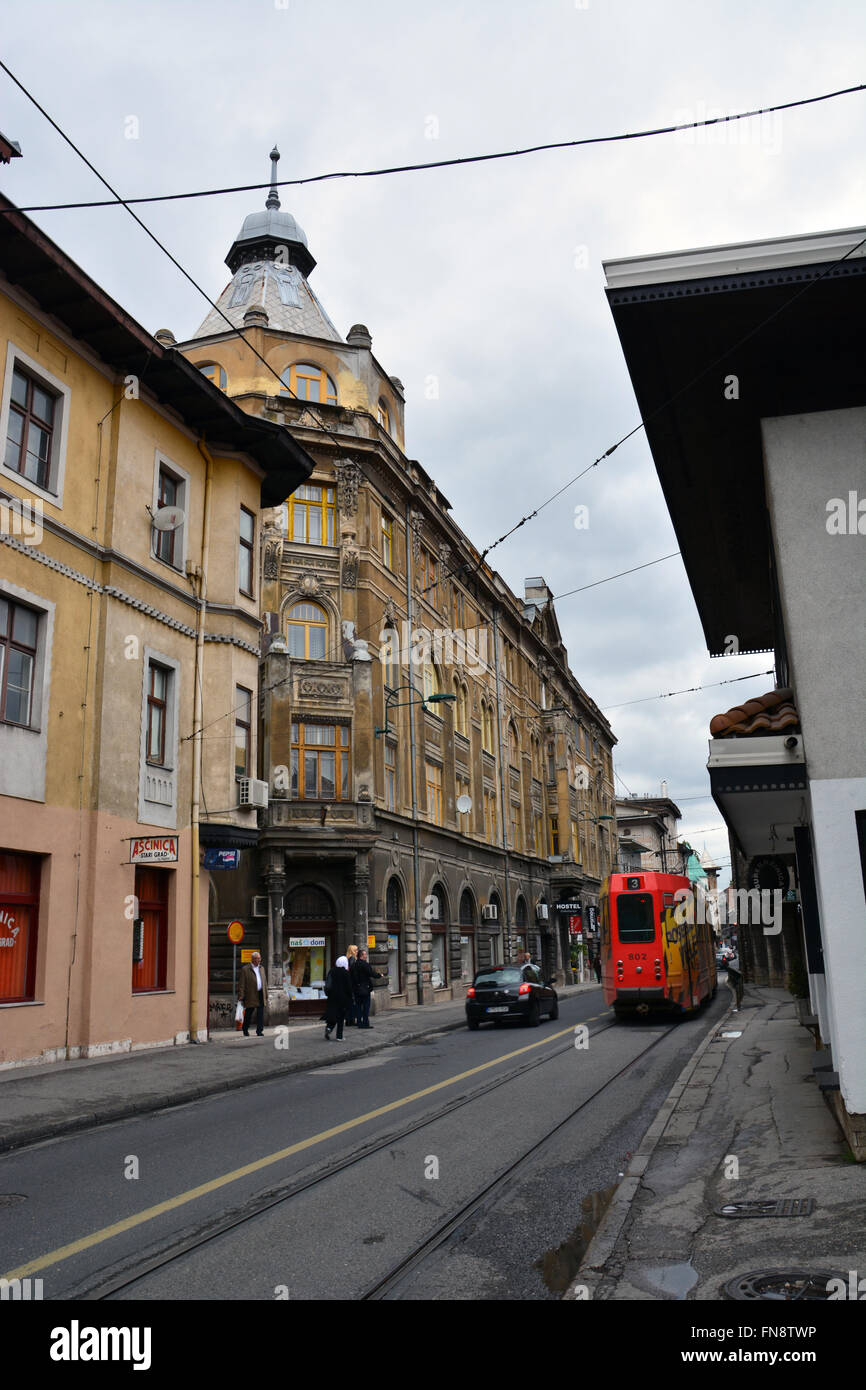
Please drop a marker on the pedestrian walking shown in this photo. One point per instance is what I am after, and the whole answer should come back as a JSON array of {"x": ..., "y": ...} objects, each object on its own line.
[
  {"x": 352, "y": 957},
  {"x": 339, "y": 991},
  {"x": 735, "y": 980},
  {"x": 364, "y": 977},
  {"x": 252, "y": 993},
  {"x": 596, "y": 964}
]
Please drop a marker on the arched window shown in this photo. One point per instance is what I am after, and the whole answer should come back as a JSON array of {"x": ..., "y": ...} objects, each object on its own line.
[
  {"x": 431, "y": 680},
  {"x": 467, "y": 909},
  {"x": 308, "y": 901},
  {"x": 520, "y": 912},
  {"x": 513, "y": 747},
  {"x": 308, "y": 631},
  {"x": 486, "y": 727},
  {"x": 384, "y": 416},
  {"x": 394, "y": 902},
  {"x": 438, "y": 933},
  {"x": 215, "y": 373},
  {"x": 308, "y": 382},
  {"x": 460, "y": 723}
]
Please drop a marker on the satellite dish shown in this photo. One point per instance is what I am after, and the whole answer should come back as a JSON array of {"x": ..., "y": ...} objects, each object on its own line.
[
  {"x": 168, "y": 518},
  {"x": 464, "y": 804}
]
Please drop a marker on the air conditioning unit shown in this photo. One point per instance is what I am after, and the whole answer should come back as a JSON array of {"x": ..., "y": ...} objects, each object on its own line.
[
  {"x": 260, "y": 906},
  {"x": 490, "y": 913},
  {"x": 252, "y": 792},
  {"x": 541, "y": 912}
]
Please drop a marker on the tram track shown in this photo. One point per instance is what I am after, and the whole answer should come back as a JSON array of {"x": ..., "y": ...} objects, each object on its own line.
[{"x": 125, "y": 1274}]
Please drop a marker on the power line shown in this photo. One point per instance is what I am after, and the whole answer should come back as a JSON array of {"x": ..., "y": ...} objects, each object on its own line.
[
  {"x": 568, "y": 593},
  {"x": 688, "y": 691},
  {"x": 450, "y": 163}
]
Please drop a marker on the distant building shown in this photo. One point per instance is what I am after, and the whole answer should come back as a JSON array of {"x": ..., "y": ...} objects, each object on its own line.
[
  {"x": 438, "y": 780},
  {"x": 647, "y": 834}
]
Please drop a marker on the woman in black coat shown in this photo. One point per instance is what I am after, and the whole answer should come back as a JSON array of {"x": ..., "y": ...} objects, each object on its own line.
[{"x": 339, "y": 998}]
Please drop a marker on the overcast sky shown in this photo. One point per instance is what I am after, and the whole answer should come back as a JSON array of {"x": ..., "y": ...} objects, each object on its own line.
[{"x": 488, "y": 277}]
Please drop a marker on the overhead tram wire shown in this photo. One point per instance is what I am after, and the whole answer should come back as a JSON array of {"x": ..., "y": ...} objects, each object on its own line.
[
  {"x": 689, "y": 690},
  {"x": 450, "y": 163},
  {"x": 327, "y": 430}
]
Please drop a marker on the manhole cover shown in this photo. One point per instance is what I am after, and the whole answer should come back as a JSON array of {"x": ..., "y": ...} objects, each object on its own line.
[
  {"x": 8, "y": 1199},
  {"x": 783, "y": 1285},
  {"x": 783, "y": 1206}
]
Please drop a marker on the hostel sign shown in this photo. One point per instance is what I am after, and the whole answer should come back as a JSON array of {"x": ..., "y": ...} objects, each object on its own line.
[{"x": 155, "y": 849}]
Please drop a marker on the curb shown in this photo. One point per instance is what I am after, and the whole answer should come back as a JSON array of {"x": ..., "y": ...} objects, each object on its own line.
[{"x": 591, "y": 1272}]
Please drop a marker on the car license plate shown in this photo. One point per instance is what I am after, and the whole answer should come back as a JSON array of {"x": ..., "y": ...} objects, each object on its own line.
[{"x": 497, "y": 1008}]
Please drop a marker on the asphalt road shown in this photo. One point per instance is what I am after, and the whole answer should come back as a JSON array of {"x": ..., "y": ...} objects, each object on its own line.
[{"x": 95, "y": 1205}]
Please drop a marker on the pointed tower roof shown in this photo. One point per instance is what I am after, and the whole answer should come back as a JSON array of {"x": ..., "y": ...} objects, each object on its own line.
[{"x": 270, "y": 262}]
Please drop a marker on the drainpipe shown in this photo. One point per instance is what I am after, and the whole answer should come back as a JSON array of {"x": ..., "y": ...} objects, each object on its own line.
[
  {"x": 416, "y": 871},
  {"x": 196, "y": 747},
  {"x": 506, "y": 925}
]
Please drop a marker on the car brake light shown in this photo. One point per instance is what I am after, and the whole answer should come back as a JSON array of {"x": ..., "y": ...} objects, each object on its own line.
[
  {"x": 525, "y": 989},
  {"x": 470, "y": 993}
]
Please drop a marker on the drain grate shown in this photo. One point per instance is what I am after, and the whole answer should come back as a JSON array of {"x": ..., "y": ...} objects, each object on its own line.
[
  {"x": 782, "y": 1206},
  {"x": 783, "y": 1285}
]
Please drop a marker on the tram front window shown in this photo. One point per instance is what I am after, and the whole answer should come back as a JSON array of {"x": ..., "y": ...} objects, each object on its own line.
[{"x": 634, "y": 915}]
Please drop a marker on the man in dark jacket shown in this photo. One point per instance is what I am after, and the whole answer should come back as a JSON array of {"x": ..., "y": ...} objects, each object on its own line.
[
  {"x": 339, "y": 999},
  {"x": 253, "y": 993},
  {"x": 364, "y": 975}
]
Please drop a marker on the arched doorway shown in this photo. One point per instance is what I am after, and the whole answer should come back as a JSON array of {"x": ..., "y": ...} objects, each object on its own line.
[
  {"x": 439, "y": 935},
  {"x": 494, "y": 936},
  {"x": 309, "y": 938},
  {"x": 394, "y": 927},
  {"x": 467, "y": 937}
]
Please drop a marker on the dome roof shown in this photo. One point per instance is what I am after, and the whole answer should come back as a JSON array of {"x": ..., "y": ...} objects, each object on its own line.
[
  {"x": 271, "y": 222},
  {"x": 271, "y": 234}
]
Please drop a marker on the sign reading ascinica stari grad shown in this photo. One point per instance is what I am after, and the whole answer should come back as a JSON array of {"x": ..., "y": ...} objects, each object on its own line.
[{"x": 156, "y": 849}]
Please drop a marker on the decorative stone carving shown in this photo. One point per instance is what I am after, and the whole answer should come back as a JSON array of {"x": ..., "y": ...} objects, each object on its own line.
[
  {"x": 349, "y": 476},
  {"x": 272, "y": 559},
  {"x": 309, "y": 583},
  {"x": 351, "y": 560},
  {"x": 391, "y": 613},
  {"x": 327, "y": 690},
  {"x": 445, "y": 557},
  {"x": 364, "y": 793},
  {"x": 416, "y": 521}
]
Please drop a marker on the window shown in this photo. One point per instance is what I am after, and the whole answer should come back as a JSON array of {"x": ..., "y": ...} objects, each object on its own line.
[
  {"x": 575, "y": 842},
  {"x": 431, "y": 680},
  {"x": 243, "y": 730},
  {"x": 19, "y": 921},
  {"x": 308, "y": 632},
  {"x": 387, "y": 541},
  {"x": 463, "y": 790},
  {"x": 308, "y": 382},
  {"x": 171, "y": 492},
  {"x": 439, "y": 962},
  {"x": 551, "y": 764},
  {"x": 158, "y": 679},
  {"x": 18, "y": 633},
  {"x": 459, "y": 608},
  {"x": 311, "y": 515},
  {"x": 30, "y": 429},
  {"x": 538, "y": 833},
  {"x": 460, "y": 720},
  {"x": 150, "y": 931},
  {"x": 554, "y": 835},
  {"x": 384, "y": 417},
  {"x": 516, "y": 837},
  {"x": 434, "y": 793},
  {"x": 247, "y": 550},
  {"x": 214, "y": 373},
  {"x": 490, "y": 817},
  {"x": 513, "y": 750},
  {"x": 391, "y": 776},
  {"x": 320, "y": 762},
  {"x": 428, "y": 575},
  {"x": 486, "y": 727}
]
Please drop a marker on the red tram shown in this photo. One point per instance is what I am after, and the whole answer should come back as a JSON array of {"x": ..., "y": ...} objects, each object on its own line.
[{"x": 657, "y": 949}]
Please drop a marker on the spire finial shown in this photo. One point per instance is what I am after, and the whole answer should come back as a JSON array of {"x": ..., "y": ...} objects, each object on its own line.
[{"x": 273, "y": 198}]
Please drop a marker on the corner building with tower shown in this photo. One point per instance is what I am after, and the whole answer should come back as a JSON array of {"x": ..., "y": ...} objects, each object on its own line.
[{"x": 433, "y": 781}]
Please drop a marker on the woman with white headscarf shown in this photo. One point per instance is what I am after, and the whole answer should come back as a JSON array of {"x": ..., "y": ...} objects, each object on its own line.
[{"x": 339, "y": 999}]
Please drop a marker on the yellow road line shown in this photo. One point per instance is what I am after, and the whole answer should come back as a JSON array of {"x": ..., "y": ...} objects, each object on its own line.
[{"x": 76, "y": 1247}]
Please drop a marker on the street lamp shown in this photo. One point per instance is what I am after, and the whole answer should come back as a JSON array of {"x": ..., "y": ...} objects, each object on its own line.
[{"x": 391, "y": 702}]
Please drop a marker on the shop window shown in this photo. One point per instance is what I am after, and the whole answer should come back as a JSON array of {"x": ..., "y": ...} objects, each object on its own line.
[
  {"x": 311, "y": 514},
  {"x": 307, "y": 382},
  {"x": 150, "y": 931},
  {"x": 308, "y": 632},
  {"x": 467, "y": 937},
  {"x": 19, "y": 925},
  {"x": 394, "y": 927},
  {"x": 320, "y": 756},
  {"x": 438, "y": 927}
]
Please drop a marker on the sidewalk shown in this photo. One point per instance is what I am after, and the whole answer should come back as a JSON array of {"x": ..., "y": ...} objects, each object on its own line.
[
  {"x": 43, "y": 1101},
  {"x": 744, "y": 1121}
]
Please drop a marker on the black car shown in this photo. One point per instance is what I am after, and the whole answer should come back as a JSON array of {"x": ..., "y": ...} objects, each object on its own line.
[{"x": 509, "y": 991}]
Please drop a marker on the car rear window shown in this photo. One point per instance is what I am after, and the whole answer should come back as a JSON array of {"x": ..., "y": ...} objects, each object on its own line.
[
  {"x": 499, "y": 977},
  {"x": 634, "y": 916}
]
